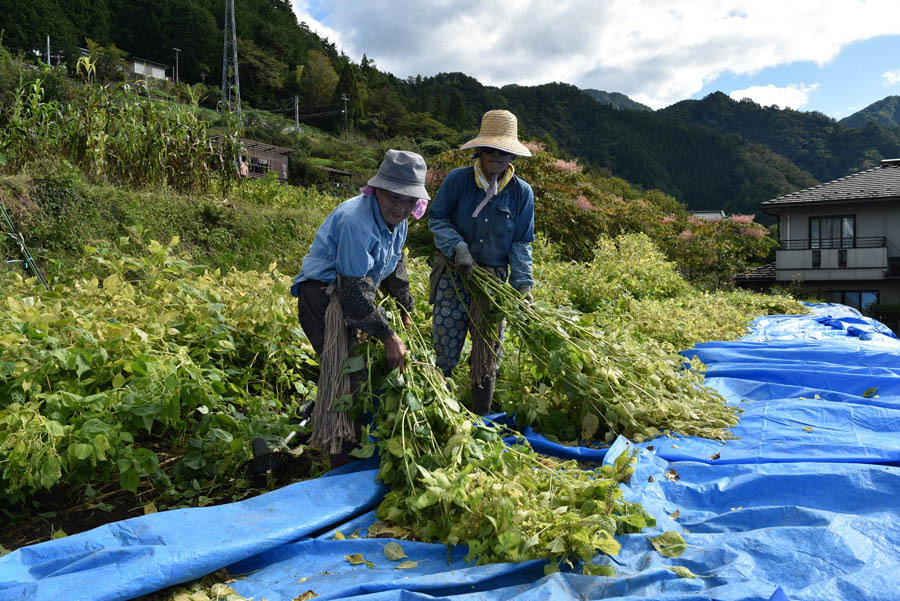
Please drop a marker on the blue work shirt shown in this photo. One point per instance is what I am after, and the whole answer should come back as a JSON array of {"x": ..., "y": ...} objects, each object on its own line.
[
  {"x": 354, "y": 241},
  {"x": 501, "y": 234}
]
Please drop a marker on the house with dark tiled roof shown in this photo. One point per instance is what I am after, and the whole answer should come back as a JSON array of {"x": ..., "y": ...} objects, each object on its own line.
[{"x": 842, "y": 237}]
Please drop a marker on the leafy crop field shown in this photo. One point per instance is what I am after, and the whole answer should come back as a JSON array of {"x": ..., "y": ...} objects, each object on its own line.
[{"x": 167, "y": 340}]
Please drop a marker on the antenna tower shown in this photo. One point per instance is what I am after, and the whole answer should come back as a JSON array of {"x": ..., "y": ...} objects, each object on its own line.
[{"x": 231, "y": 81}]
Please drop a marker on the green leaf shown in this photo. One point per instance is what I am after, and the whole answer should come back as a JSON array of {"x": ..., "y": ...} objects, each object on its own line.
[
  {"x": 394, "y": 551},
  {"x": 395, "y": 446},
  {"x": 352, "y": 364},
  {"x": 51, "y": 471},
  {"x": 118, "y": 381},
  {"x": 82, "y": 451},
  {"x": 342, "y": 403},
  {"x": 129, "y": 480},
  {"x": 4, "y": 551},
  {"x": 138, "y": 367},
  {"x": 406, "y": 565},
  {"x": 682, "y": 571},
  {"x": 412, "y": 401},
  {"x": 364, "y": 452},
  {"x": 669, "y": 544},
  {"x": 59, "y": 533},
  {"x": 592, "y": 569}
]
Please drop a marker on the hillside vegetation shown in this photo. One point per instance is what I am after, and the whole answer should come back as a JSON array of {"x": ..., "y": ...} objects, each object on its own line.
[{"x": 713, "y": 153}]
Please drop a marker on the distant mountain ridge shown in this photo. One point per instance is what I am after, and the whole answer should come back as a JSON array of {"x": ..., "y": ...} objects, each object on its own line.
[
  {"x": 814, "y": 142},
  {"x": 884, "y": 112},
  {"x": 616, "y": 100}
]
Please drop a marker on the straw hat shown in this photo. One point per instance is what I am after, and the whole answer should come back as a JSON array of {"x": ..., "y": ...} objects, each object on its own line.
[
  {"x": 499, "y": 129},
  {"x": 402, "y": 172}
]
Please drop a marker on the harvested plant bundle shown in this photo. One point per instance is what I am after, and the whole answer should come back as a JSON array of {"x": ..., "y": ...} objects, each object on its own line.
[
  {"x": 568, "y": 377},
  {"x": 454, "y": 479}
]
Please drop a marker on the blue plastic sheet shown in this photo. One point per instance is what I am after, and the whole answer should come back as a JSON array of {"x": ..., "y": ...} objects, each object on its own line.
[{"x": 803, "y": 506}]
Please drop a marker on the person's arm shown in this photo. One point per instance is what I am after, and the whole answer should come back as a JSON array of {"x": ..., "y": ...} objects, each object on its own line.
[
  {"x": 360, "y": 311},
  {"x": 440, "y": 217},
  {"x": 520, "y": 262},
  {"x": 397, "y": 285}
]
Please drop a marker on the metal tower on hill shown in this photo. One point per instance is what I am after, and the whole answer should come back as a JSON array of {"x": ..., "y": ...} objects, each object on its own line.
[{"x": 231, "y": 81}]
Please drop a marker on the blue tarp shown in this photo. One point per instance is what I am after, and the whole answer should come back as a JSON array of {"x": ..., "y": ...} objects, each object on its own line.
[{"x": 803, "y": 506}]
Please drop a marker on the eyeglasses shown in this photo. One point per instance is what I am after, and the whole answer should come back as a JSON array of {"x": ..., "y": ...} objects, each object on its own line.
[
  {"x": 407, "y": 202},
  {"x": 489, "y": 150}
]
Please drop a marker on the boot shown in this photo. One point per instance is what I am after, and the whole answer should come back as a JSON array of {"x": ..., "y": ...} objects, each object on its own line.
[{"x": 482, "y": 395}]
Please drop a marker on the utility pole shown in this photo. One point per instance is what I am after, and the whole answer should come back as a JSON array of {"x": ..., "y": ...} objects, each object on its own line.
[
  {"x": 296, "y": 114},
  {"x": 177, "y": 51},
  {"x": 48, "y": 50},
  {"x": 346, "y": 129},
  {"x": 231, "y": 81}
]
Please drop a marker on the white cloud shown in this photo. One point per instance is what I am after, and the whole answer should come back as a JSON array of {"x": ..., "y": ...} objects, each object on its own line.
[
  {"x": 891, "y": 77},
  {"x": 791, "y": 96},
  {"x": 655, "y": 51}
]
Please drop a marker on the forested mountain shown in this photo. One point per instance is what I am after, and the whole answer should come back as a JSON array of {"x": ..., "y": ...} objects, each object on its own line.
[
  {"x": 710, "y": 153},
  {"x": 616, "y": 99},
  {"x": 814, "y": 142},
  {"x": 884, "y": 112},
  {"x": 273, "y": 47}
]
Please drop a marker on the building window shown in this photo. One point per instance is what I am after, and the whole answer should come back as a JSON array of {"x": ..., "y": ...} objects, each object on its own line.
[
  {"x": 832, "y": 232},
  {"x": 816, "y": 259},
  {"x": 842, "y": 258},
  {"x": 858, "y": 299}
]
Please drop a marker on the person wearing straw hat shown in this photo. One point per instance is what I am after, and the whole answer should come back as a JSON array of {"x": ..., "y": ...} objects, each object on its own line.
[
  {"x": 482, "y": 215},
  {"x": 356, "y": 250}
]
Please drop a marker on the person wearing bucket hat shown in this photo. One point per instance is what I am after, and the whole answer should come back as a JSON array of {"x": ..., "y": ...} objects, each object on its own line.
[
  {"x": 357, "y": 250},
  {"x": 482, "y": 215}
]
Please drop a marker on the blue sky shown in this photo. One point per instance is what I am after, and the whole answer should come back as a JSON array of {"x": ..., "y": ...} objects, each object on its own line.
[
  {"x": 850, "y": 82},
  {"x": 831, "y": 56}
]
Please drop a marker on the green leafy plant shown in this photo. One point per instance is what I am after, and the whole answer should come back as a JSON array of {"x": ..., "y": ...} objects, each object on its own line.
[{"x": 144, "y": 359}]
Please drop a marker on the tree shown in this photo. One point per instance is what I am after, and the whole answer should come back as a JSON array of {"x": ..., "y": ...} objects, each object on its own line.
[
  {"x": 319, "y": 80},
  {"x": 262, "y": 75}
]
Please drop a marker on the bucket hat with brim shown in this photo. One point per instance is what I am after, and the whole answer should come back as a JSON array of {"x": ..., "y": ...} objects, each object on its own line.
[
  {"x": 499, "y": 129},
  {"x": 402, "y": 172}
]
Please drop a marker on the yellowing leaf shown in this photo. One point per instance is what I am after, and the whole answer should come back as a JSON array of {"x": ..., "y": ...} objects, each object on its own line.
[
  {"x": 808, "y": 428},
  {"x": 589, "y": 426},
  {"x": 60, "y": 533},
  {"x": 870, "y": 392},
  {"x": 682, "y": 571},
  {"x": 358, "y": 559},
  {"x": 306, "y": 596},
  {"x": 394, "y": 551},
  {"x": 338, "y": 535},
  {"x": 406, "y": 565},
  {"x": 669, "y": 544}
]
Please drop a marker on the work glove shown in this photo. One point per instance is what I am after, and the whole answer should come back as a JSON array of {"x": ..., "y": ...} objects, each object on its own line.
[
  {"x": 526, "y": 292},
  {"x": 464, "y": 260}
]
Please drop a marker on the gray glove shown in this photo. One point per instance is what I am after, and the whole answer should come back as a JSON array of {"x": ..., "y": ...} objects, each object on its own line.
[
  {"x": 464, "y": 260},
  {"x": 526, "y": 292}
]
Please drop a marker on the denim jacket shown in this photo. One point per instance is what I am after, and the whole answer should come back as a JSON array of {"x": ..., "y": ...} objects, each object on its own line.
[
  {"x": 354, "y": 241},
  {"x": 502, "y": 233}
]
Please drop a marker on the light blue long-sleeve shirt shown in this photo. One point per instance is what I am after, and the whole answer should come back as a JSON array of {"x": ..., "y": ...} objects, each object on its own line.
[
  {"x": 354, "y": 241},
  {"x": 501, "y": 234}
]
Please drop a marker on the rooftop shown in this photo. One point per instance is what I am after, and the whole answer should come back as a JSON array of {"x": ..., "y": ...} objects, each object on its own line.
[
  {"x": 764, "y": 273},
  {"x": 878, "y": 183}
]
